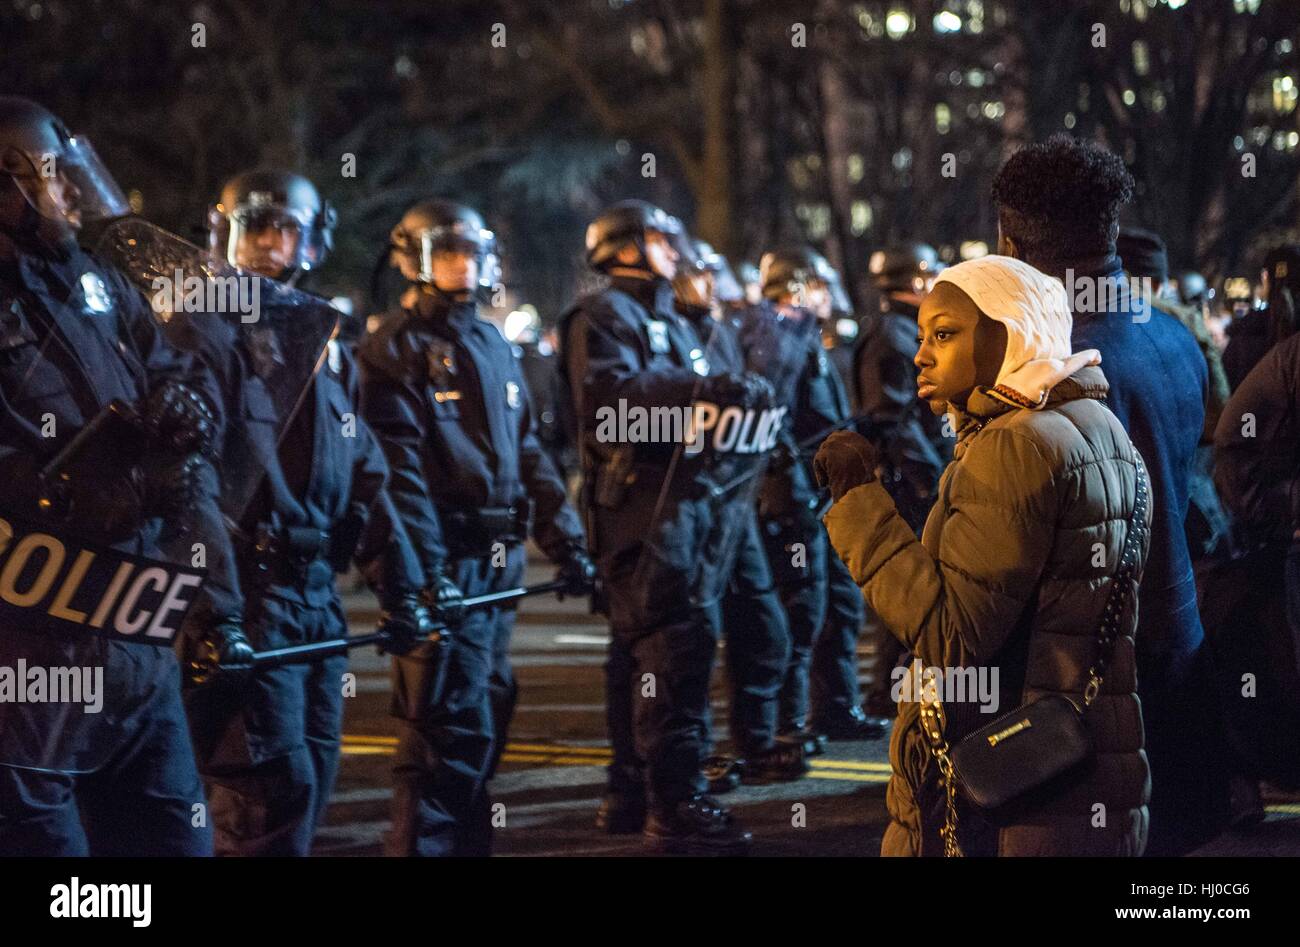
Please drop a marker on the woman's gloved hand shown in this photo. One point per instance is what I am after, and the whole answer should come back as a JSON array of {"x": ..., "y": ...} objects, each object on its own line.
[{"x": 845, "y": 460}]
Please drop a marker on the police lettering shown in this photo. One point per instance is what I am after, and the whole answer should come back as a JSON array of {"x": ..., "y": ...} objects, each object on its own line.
[
  {"x": 42, "y": 574},
  {"x": 733, "y": 430}
]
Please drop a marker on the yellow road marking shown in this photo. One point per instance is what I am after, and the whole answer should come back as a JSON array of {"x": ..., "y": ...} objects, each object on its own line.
[
  {"x": 558, "y": 755},
  {"x": 1284, "y": 808},
  {"x": 849, "y": 764}
]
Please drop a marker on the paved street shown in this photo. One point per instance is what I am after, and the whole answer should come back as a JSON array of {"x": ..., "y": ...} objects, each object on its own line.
[{"x": 553, "y": 771}]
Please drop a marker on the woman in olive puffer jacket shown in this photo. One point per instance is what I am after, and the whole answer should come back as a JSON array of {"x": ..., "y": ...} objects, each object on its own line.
[{"x": 1016, "y": 562}]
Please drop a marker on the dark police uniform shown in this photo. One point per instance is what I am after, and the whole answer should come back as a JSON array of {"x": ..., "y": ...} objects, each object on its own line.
[
  {"x": 270, "y": 750},
  {"x": 821, "y": 600},
  {"x": 911, "y": 438},
  {"x": 752, "y": 617},
  {"x": 74, "y": 335},
  {"x": 651, "y": 522},
  {"x": 447, "y": 399}
]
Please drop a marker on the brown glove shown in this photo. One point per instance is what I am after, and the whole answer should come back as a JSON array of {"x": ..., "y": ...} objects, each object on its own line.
[{"x": 845, "y": 460}]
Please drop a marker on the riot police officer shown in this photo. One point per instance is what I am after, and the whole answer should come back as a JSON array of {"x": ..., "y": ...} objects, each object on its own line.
[
  {"x": 819, "y": 698},
  {"x": 905, "y": 429},
  {"x": 447, "y": 398},
  {"x": 753, "y": 620},
  {"x": 653, "y": 520},
  {"x": 269, "y": 742},
  {"x": 79, "y": 345}
]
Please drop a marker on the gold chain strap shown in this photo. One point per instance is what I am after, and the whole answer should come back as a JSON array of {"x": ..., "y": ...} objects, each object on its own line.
[
  {"x": 932, "y": 710},
  {"x": 932, "y": 727}
]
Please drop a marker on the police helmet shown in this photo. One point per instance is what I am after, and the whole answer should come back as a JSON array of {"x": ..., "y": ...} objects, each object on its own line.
[
  {"x": 260, "y": 200},
  {"x": 626, "y": 221},
  {"x": 789, "y": 269},
  {"x": 444, "y": 225},
  {"x": 58, "y": 173},
  {"x": 893, "y": 269}
]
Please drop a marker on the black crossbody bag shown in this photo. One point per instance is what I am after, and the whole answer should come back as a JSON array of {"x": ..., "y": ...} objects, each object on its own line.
[{"x": 1026, "y": 750}]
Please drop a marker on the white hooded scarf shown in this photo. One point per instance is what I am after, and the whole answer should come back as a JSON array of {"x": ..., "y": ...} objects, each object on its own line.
[{"x": 1035, "y": 309}]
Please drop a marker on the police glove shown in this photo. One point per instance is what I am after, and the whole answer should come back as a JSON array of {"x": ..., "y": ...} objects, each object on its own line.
[
  {"x": 174, "y": 486},
  {"x": 446, "y": 599},
  {"x": 578, "y": 572},
  {"x": 845, "y": 460},
  {"x": 222, "y": 649},
  {"x": 747, "y": 390},
  {"x": 180, "y": 420},
  {"x": 407, "y": 621}
]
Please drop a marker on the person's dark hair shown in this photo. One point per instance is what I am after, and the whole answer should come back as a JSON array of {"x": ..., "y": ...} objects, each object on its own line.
[{"x": 1060, "y": 199}]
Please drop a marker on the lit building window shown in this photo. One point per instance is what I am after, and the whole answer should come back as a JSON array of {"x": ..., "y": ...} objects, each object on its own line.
[
  {"x": 1285, "y": 93},
  {"x": 898, "y": 24},
  {"x": 816, "y": 220},
  {"x": 947, "y": 22},
  {"x": 1141, "y": 60},
  {"x": 942, "y": 118},
  {"x": 859, "y": 217},
  {"x": 856, "y": 168}
]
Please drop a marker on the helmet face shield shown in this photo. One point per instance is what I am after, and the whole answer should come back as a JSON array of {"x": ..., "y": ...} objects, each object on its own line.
[
  {"x": 415, "y": 250},
  {"x": 725, "y": 286},
  {"x": 839, "y": 298},
  {"x": 269, "y": 237},
  {"x": 477, "y": 243},
  {"x": 70, "y": 184}
]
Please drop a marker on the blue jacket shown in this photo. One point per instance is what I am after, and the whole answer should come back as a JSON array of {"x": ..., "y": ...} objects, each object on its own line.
[{"x": 1158, "y": 388}]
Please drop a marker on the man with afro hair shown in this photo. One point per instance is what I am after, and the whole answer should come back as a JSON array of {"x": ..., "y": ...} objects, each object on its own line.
[{"x": 1058, "y": 207}]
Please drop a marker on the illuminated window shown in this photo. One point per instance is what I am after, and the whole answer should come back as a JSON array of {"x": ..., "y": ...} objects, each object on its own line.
[
  {"x": 1141, "y": 60},
  {"x": 859, "y": 217},
  {"x": 947, "y": 22},
  {"x": 898, "y": 23},
  {"x": 856, "y": 168}
]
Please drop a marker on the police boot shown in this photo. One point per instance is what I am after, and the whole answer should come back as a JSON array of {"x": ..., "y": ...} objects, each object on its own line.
[
  {"x": 621, "y": 812},
  {"x": 695, "y": 826},
  {"x": 723, "y": 773},
  {"x": 812, "y": 742},
  {"x": 783, "y": 763},
  {"x": 855, "y": 725}
]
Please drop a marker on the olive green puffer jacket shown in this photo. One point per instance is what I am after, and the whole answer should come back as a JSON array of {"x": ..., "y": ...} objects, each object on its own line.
[{"x": 1012, "y": 573}]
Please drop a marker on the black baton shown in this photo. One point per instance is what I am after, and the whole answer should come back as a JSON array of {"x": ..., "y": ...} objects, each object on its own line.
[{"x": 300, "y": 654}]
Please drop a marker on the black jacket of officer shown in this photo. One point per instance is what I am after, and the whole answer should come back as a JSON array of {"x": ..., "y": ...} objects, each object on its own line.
[
  {"x": 447, "y": 392},
  {"x": 447, "y": 399},
  {"x": 323, "y": 479},
  {"x": 74, "y": 336}
]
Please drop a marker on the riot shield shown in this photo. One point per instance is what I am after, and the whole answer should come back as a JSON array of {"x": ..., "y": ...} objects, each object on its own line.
[
  {"x": 109, "y": 530},
  {"x": 280, "y": 335},
  {"x": 709, "y": 489}
]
